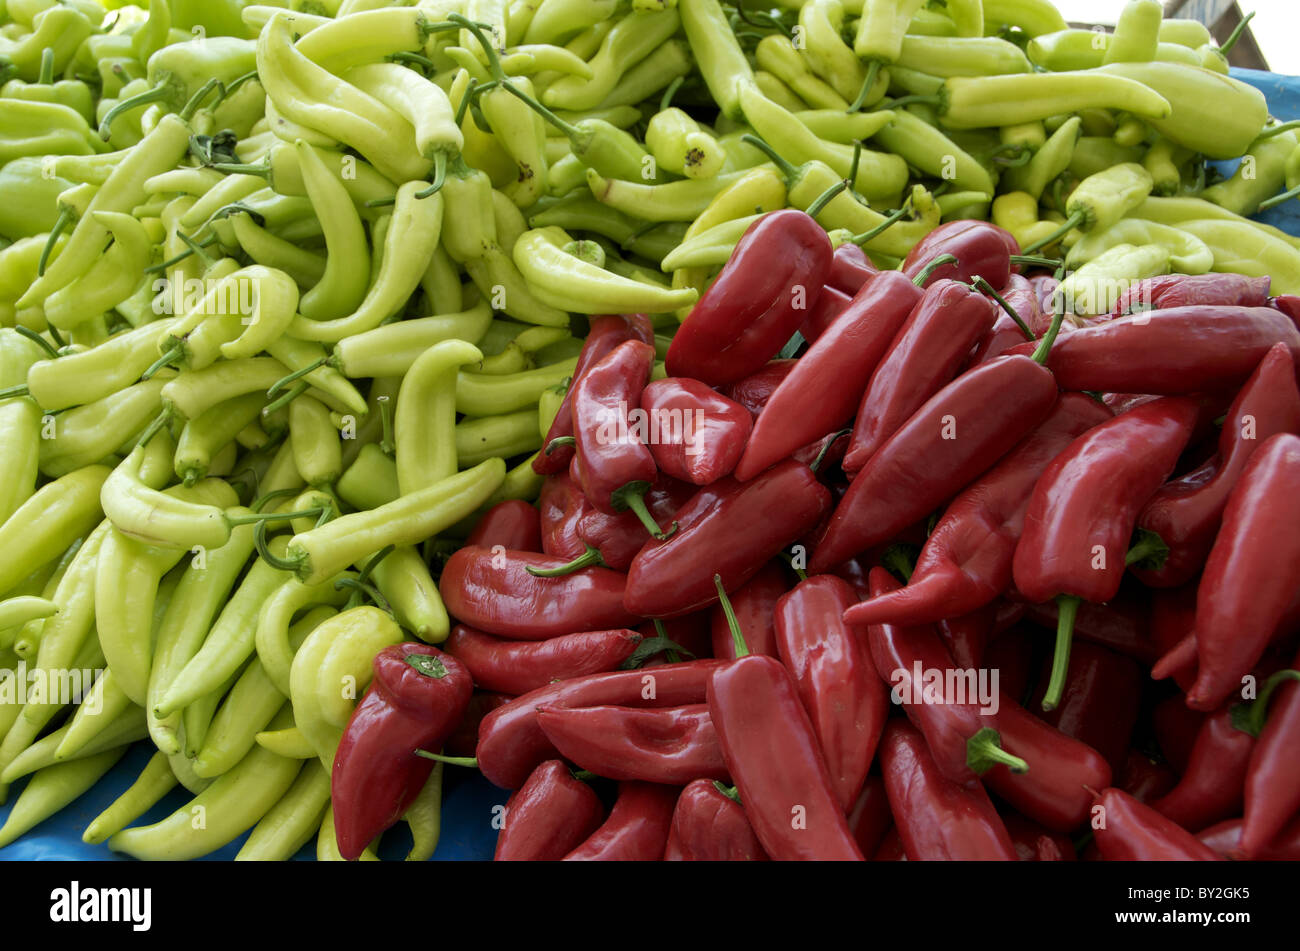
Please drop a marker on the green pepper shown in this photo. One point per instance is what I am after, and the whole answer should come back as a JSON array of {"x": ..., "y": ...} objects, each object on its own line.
[
  {"x": 1096, "y": 286},
  {"x": 1240, "y": 248},
  {"x": 961, "y": 56},
  {"x": 1031, "y": 17},
  {"x": 111, "y": 280},
  {"x": 1164, "y": 160},
  {"x": 928, "y": 149},
  {"x": 54, "y": 787},
  {"x": 822, "y": 45},
  {"x": 61, "y": 29},
  {"x": 559, "y": 20},
  {"x": 1175, "y": 211},
  {"x": 1188, "y": 254},
  {"x": 72, "y": 93},
  {"x": 1190, "y": 33},
  {"x": 29, "y": 198},
  {"x": 717, "y": 52},
  {"x": 155, "y": 781},
  {"x": 1101, "y": 200},
  {"x": 671, "y": 61},
  {"x": 1096, "y": 153},
  {"x": 1136, "y": 33},
  {"x": 776, "y": 55},
  {"x": 1259, "y": 176},
  {"x": 681, "y": 146},
  {"x": 42, "y": 128},
  {"x": 631, "y": 40}
]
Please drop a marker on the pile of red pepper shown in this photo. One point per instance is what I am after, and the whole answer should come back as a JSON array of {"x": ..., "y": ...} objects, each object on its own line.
[{"x": 734, "y": 569}]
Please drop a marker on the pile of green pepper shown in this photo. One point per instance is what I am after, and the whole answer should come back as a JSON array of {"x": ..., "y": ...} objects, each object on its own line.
[{"x": 288, "y": 297}]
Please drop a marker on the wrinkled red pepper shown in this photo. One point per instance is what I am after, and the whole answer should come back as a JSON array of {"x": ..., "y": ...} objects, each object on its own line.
[
  {"x": 561, "y": 507},
  {"x": 1225, "y": 840},
  {"x": 1183, "y": 290},
  {"x": 1144, "y": 778},
  {"x": 515, "y": 667},
  {"x": 700, "y": 434},
  {"x": 548, "y": 816},
  {"x": 618, "y": 538},
  {"x": 1211, "y": 786}
]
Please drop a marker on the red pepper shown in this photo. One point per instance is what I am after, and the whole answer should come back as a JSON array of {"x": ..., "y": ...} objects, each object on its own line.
[
  {"x": 1020, "y": 295},
  {"x": 1173, "y": 627},
  {"x": 515, "y": 667},
  {"x": 1252, "y": 574},
  {"x": 561, "y": 507},
  {"x": 754, "y": 604},
  {"x": 1083, "y": 510},
  {"x": 710, "y": 826},
  {"x": 870, "y": 818},
  {"x": 670, "y": 745},
  {"x": 981, "y": 249},
  {"x": 415, "y": 701},
  {"x": 1128, "y": 831},
  {"x": 691, "y": 632},
  {"x": 831, "y": 303},
  {"x": 465, "y": 737},
  {"x": 1123, "y": 625},
  {"x": 548, "y": 817},
  {"x": 700, "y": 433},
  {"x": 1187, "y": 511},
  {"x": 605, "y": 334},
  {"x": 1013, "y": 656},
  {"x": 514, "y": 525},
  {"x": 758, "y": 301},
  {"x": 1099, "y": 706},
  {"x": 494, "y": 592},
  {"x": 819, "y": 395},
  {"x": 1146, "y": 779},
  {"x": 1225, "y": 839},
  {"x": 616, "y": 467},
  {"x": 729, "y": 528},
  {"x": 966, "y": 561},
  {"x": 924, "y": 357},
  {"x": 891, "y": 847},
  {"x": 1288, "y": 304},
  {"x": 936, "y": 818},
  {"x": 637, "y": 827},
  {"x": 850, "y": 269},
  {"x": 771, "y": 751},
  {"x": 755, "y": 390},
  {"x": 955, "y": 437},
  {"x": 618, "y": 538},
  {"x": 511, "y": 743},
  {"x": 845, "y": 700},
  {"x": 966, "y": 637},
  {"x": 1182, "y": 290},
  {"x": 1176, "y": 730},
  {"x": 1272, "y": 791},
  {"x": 1211, "y": 786},
  {"x": 1035, "y": 844},
  {"x": 1170, "y": 352}
]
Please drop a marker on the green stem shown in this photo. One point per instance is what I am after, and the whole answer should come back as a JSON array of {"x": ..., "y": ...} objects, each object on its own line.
[
  {"x": 157, "y": 94},
  {"x": 1279, "y": 199},
  {"x": 665, "y": 101},
  {"x": 40, "y": 341},
  {"x": 1149, "y": 552},
  {"x": 467, "y": 761},
  {"x": 1278, "y": 129},
  {"x": 387, "y": 445},
  {"x": 1035, "y": 261},
  {"x": 660, "y": 631},
  {"x": 737, "y": 636},
  {"x": 155, "y": 427},
  {"x": 1049, "y": 338},
  {"x": 270, "y": 497},
  {"x": 1235, "y": 35},
  {"x": 1251, "y": 717},
  {"x": 285, "y": 400},
  {"x": 268, "y": 556},
  {"x": 586, "y": 560},
  {"x": 559, "y": 443},
  {"x": 439, "y": 175},
  {"x": 821, "y": 456},
  {"x": 11, "y": 392},
  {"x": 788, "y": 171},
  {"x": 191, "y": 107},
  {"x": 1069, "y": 225},
  {"x": 46, "y": 76},
  {"x": 60, "y": 225},
  {"x": 980, "y": 284},
  {"x": 926, "y": 272},
  {"x": 890, "y": 220},
  {"x": 984, "y": 751},
  {"x": 1067, "y": 610},
  {"x": 898, "y": 559},
  {"x": 873, "y": 73},
  {"x": 825, "y": 198},
  {"x": 296, "y": 375},
  {"x": 174, "y": 353}
]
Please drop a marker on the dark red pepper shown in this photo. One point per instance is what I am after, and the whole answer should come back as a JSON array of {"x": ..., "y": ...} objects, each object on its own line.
[
  {"x": 820, "y": 394},
  {"x": 1252, "y": 574},
  {"x": 511, "y": 743},
  {"x": 1225, "y": 839},
  {"x": 870, "y": 818},
  {"x": 757, "y": 303},
  {"x": 1173, "y": 629},
  {"x": 618, "y": 538},
  {"x": 415, "y": 701},
  {"x": 1144, "y": 778},
  {"x": 494, "y": 592},
  {"x": 850, "y": 269},
  {"x": 465, "y": 738},
  {"x": 1182, "y": 290},
  {"x": 1272, "y": 791},
  {"x": 754, "y": 604},
  {"x": 936, "y": 818},
  {"x": 671, "y": 745},
  {"x": 1210, "y": 789},
  {"x": 605, "y": 334},
  {"x": 548, "y": 817},
  {"x": 832, "y": 670},
  {"x": 831, "y": 303},
  {"x": 924, "y": 356},
  {"x": 515, "y": 667},
  {"x": 755, "y": 390},
  {"x": 1176, "y": 730},
  {"x": 710, "y": 826},
  {"x": 696, "y": 434},
  {"x": 981, "y": 248},
  {"x": 1128, "y": 831},
  {"x": 1288, "y": 304},
  {"x": 514, "y": 525},
  {"x": 561, "y": 508},
  {"x": 637, "y": 827},
  {"x": 968, "y": 636},
  {"x": 891, "y": 847},
  {"x": 1123, "y": 624},
  {"x": 1035, "y": 844},
  {"x": 729, "y": 528},
  {"x": 1099, "y": 706}
]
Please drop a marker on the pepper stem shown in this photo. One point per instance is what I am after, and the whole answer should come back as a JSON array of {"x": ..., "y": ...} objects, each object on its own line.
[
  {"x": 930, "y": 100},
  {"x": 928, "y": 271},
  {"x": 661, "y": 632},
  {"x": 268, "y": 556},
  {"x": 260, "y": 169},
  {"x": 60, "y": 225},
  {"x": 285, "y": 400},
  {"x": 731, "y": 792},
  {"x": 1035, "y": 261},
  {"x": 898, "y": 214},
  {"x": 11, "y": 392},
  {"x": 270, "y": 497},
  {"x": 737, "y": 636},
  {"x": 157, "y": 94},
  {"x": 667, "y": 98},
  {"x": 1067, "y": 610},
  {"x": 821, "y": 456},
  {"x": 788, "y": 171},
  {"x": 898, "y": 559},
  {"x": 1049, "y": 338},
  {"x": 467, "y": 761},
  {"x": 632, "y": 496},
  {"x": 191, "y": 107},
  {"x": 1066, "y": 227},
  {"x": 984, "y": 751},
  {"x": 153, "y": 428},
  {"x": 188, "y": 252},
  {"x": 1235, "y": 35},
  {"x": 1279, "y": 199},
  {"x": 228, "y": 90},
  {"x": 586, "y": 560},
  {"x": 873, "y": 72},
  {"x": 262, "y": 517},
  {"x": 439, "y": 175},
  {"x": 559, "y": 443},
  {"x": 980, "y": 284},
  {"x": 386, "y": 443},
  {"x": 426, "y": 664},
  {"x": 40, "y": 341},
  {"x": 1278, "y": 129},
  {"x": 1149, "y": 552},
  {"x": 174, "y": 353},
  {"x": 46, "y": 76},
  {"x": 296, "y": 375},
  {"x": 825, "y": 198},
  {"x": 1250, "y": 717}
]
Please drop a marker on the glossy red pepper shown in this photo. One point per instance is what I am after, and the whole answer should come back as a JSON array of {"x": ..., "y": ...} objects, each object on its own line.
[
  {"x": 948, "y": 443},
  {"x": 938, "y": 819},
  {"x": 465, "y": 737},
  {"x": 1225, "y": 840},
  {"x": 832, "y": 670},
  {"x": 494, "y": 592},
  {"x": 1182, "y": 290},
  {"x": 605, "y": 334},
  {"x": 511, "y": 743},
  {"x": 966, "y": 562},
  {"x": 831, "y": 303},
  {"x": 515, "y": 667},
  {"x": 1272, "y": 790},
  {"x": 615, "y": 464},
  {"x": 1021, "y": 297},
  {"x": 710, "y": 826},
  {"x": 1288, "y": 304},
  {"x": 1123, "y": 624},
  {"x": 1128, "y": 831},
  {"x": 755, "y": 390},
  {"x": 1099, "y": 706},
  {"x": 670, "y": 745},
  {"x": 696, "y": 434},
  {"x": 820, "y": 394},
  {"x": 514, "y": 525},
  {"x": 1170, "y": 352},
  {"x": 637, "y": 827},
  {"x": 1259, "y": 541},
  {"x": 1210, "y": 789},
  {"x": 415, "y": 701},
  {"x": 850, "y": 269},
  {"x": 1186, "y": 512},
  {"x": 729, "y": 528},
  {"x": 548, "y": 816},
  {"x": 754, "y": 604},
  {"x": 870, "y": 818},
  {"x": 757, "y": 303},
  {"x": 925, "y": 356},
  {"x": 1144, "y": 778},
  {"x": 981, "y": 249},
  {"x": 619, "y": 537},
  {"x": 1173, "y": 628},
  {"x": 967, "y": 637},
  {"x": 771, "y": 751},
  {"x": 1035, "y": 844},
  {"x": 561, "y": 507}
]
